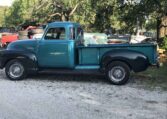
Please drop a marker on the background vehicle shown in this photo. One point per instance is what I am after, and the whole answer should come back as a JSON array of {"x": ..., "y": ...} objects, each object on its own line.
[
  {"x": 7, "y": 35},
  {"x": 62, "y": 47},
  {"x": 112, "y": 39},
  {"x": 143, "y": 37},
  {"x": 31, "y": 32}
]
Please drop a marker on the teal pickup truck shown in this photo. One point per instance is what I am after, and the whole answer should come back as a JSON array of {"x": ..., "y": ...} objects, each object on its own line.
[{"x": 62, "y": 47}]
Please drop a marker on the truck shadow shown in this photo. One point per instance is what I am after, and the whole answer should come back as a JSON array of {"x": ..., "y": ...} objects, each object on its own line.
[{"x": 54, "y": 77}]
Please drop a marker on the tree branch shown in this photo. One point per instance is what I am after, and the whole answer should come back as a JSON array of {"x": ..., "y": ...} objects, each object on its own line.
[
  {"x": 72, "y": 12},
  {"x": 55, "y": 14},
  {"x": 40, "y": 6}
]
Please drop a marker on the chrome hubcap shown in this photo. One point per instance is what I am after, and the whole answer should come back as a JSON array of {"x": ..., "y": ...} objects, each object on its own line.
[
  {"x": 16, "y": 70},
  {"x": 117, "y": 73}
]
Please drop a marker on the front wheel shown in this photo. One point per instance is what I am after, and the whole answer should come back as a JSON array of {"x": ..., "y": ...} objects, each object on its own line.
[
  {"x": 118, "y": 73},
  {"x": 15, "y": 70}
]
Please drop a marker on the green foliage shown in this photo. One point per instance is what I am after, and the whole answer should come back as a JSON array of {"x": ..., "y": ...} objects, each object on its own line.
[
  {"x": 151, "y": 24},
  {"x": 165, "y": 43},
  {"x": 154, "y": 77},
  {"x": 20, "y": 11},
  {"x": 94, "y": 15},
  {"x": 2, "y": 15}
]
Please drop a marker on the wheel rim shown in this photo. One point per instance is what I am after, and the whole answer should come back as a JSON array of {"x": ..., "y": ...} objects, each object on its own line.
[
  {"x": 16, "y": 70},
  {"x": 117, "y": 74}
]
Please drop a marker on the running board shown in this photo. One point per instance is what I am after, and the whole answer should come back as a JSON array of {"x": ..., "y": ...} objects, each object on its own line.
[{"x": 87, "y": 67}]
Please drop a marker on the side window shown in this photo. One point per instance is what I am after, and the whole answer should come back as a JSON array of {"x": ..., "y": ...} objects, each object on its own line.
[
  {"x": 72, "y": 33},
  {"x": 76, "y": 33},
  {"x": 80, "y": 33},
  {"x": 57, "y": 33}
]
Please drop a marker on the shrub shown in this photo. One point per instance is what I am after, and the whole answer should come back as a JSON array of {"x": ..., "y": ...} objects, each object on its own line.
[{"x": 165, "y": 43}]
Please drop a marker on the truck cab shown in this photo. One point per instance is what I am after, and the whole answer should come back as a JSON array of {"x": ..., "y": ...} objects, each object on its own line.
[{"x": 57, "y": 47}]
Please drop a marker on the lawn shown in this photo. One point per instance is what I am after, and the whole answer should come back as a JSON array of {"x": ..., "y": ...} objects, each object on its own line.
[{"x": 154, "y": 77}]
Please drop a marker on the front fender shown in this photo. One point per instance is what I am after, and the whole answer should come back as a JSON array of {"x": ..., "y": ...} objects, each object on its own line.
[
  {"x": 135, "y": 60},
  {"x": 29, "y": 59}
]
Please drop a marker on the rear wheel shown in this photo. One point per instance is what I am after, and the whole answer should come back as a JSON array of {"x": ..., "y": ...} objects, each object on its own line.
[
  {"x": 15, "y": 70},
  {"x": 118, "y": 73}
]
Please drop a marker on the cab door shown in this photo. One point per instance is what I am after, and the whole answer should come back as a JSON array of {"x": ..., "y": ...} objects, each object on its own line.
[{"x": 55, "y": 50}]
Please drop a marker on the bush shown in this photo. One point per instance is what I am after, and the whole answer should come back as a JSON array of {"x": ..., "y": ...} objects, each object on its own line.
[{"x": 165, "y": 43}]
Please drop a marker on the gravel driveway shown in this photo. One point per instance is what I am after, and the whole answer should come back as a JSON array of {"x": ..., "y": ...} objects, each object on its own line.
[{"x": 48, "y": 96}]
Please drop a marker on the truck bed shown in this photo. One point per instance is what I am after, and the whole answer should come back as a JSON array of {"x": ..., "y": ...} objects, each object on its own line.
[{"x": 92, "y": 54}]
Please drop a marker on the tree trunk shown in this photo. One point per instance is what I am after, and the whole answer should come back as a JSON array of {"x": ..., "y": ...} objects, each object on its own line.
[{"x": 158, "y": 30}]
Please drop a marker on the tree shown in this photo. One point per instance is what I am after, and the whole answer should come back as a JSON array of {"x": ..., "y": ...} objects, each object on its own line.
[
  {"x": 3, "y": 11},
  {"x": 155, "y": 10},
  {"x": 90, "y": 13},
  {"x": 94, "y": 15},
  {"x": 20, "y": 11},
  {"x": 52, "y": 10}
]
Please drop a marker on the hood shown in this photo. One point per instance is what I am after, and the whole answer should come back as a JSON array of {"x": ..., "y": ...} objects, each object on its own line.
[{"x": 26, "y": 45}]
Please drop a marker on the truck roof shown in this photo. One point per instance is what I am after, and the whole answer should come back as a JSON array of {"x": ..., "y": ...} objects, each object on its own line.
[{"x": 62, "y": 24}]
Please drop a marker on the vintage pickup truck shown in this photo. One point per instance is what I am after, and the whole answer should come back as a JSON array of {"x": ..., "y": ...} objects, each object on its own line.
[{"x": 62, "y": 47}]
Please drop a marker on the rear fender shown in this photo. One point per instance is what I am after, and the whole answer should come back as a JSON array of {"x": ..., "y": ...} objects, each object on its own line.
[{"x": 135, "y": 60}]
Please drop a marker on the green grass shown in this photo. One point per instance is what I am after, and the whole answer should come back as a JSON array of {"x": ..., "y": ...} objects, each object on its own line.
[{"x": 154, "y": 77}]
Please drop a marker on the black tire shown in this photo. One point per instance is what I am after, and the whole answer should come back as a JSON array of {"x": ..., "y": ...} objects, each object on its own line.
[
  {"x": 118, "y": 73},
  {"x": 15, "y": 70}
]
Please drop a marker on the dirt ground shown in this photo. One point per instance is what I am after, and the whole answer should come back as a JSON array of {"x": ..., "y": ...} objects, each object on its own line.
[{"x": 53, "y": 96}]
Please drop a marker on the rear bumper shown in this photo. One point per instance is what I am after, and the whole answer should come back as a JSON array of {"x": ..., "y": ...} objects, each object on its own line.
[{"x": 156, "y": 65}]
